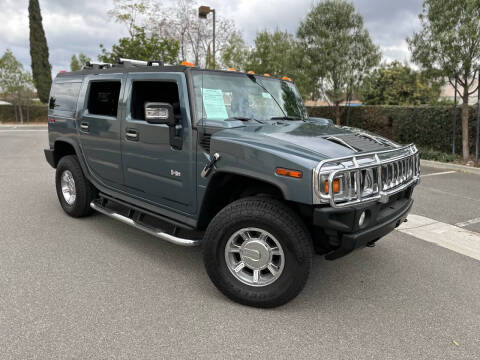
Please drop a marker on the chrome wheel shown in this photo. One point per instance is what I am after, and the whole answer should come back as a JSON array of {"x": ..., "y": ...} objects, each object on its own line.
[
  {"x": 254, "y": 256},
  {"x": 68, "y": 187}
]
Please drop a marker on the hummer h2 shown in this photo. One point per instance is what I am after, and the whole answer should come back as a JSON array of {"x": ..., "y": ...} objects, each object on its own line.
[{"x": 227, "y": 160}]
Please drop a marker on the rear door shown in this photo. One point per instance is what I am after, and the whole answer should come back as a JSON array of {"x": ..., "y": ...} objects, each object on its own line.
[
  {"x": 99, "y": 127},
  {"x": 152, "y": 168}
]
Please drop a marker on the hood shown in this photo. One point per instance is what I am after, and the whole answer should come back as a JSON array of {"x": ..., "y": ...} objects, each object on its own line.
[{"x": 312, "y": 139}]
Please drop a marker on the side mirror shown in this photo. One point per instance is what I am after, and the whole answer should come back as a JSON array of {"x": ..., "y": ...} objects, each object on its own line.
[{"x": 159, "y": 113}]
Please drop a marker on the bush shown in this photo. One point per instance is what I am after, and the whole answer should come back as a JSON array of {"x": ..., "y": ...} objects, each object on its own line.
[
  {"x": 38, "y": 113},
  {"x": 430, "y": 154},
  {"x": 427, "y": 126}
]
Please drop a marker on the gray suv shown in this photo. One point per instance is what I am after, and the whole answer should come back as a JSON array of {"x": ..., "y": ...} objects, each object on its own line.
[{"x": 227, "y": 160}]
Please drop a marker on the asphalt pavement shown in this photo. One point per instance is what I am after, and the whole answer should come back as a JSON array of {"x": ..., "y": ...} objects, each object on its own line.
[{"x": 98, "y": 289}]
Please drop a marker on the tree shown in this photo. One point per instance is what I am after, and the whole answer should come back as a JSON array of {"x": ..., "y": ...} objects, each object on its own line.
[
  {"x": 272, "y": 53},
  {"x": 235, "y": 53},
  {"x": 398, "y": 84},
  {"x": 128, "y": 12},
  {"x": 338, "y": 48},
  {"x": 15, "y": 83},
  {"x": 448, "y": 45},
  {"x": 41, "y": 68},
  {"x": 179, "y": 22},
  {"x": 141, "y": 47},
  {"x": 76, "y": 63}
]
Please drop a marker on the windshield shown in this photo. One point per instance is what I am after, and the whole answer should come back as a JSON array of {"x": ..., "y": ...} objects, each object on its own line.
[{"x": 224, "y": 96}]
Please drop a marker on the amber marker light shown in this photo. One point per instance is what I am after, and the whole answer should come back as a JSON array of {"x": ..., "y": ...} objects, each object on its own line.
[
  {"x": 250, "y": 72},
  {"x": 267, "y": 75},
  {"x": 232, "y": 69},
  {"x": 336, "y": 186},
  {"x": 187, "y": 63},
  {"x": 286, "y": 78},
  {"x": 290, "y": 173}
]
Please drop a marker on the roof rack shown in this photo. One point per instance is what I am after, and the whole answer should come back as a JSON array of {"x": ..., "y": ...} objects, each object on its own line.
[
  {"x": 121, "y": 62},
  {"x": 97, "y": 65}
]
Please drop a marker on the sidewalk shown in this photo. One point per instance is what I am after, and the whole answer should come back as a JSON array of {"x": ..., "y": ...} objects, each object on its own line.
[{"x": 451, "y": 166}]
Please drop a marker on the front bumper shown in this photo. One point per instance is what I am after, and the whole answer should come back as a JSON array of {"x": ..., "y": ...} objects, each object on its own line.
[{"x": 340, "y": 230}]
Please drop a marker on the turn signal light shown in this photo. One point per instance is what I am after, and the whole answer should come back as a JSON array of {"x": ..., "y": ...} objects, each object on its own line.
[
  {"x": 335, "y": 186},
  {"x": 290, "y": 173},
  {"x": 187, "y": 63}
]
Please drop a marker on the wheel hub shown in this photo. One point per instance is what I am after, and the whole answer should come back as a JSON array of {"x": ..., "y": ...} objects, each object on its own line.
[
  {"x": 254, "y": 256},
  {"x": 67, "y": 183},
  {"x": 254, "y": 253}
]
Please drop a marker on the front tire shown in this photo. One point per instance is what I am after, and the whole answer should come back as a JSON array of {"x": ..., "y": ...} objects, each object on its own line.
[
  {"x": 258, "y": 252},
  {"x": 74, "y": 191}
]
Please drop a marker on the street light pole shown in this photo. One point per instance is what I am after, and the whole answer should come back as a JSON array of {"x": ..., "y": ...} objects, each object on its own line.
[{"x": 203, "y": 11}]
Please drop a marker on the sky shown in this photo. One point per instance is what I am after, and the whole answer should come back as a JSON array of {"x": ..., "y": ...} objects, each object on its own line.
[{"x": 74, "y": 26}]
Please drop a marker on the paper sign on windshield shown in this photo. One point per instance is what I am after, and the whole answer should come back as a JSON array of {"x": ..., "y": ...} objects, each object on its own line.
[{"x": 214, "y": 104}]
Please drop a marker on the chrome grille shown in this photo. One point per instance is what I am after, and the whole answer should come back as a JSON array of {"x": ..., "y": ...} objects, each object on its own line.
[{"x": 366, "y": 177}]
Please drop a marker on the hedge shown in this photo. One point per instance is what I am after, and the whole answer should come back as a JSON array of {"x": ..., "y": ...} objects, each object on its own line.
[
  {"x": 427, "y": 126},
  {"x": 38, "y": 113}
]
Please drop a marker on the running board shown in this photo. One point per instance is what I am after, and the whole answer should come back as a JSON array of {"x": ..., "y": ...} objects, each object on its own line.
[{"x": 159, "y": 233}]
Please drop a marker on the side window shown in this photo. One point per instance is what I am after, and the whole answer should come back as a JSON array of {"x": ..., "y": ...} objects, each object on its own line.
[
  {"x": 64, "y": 96},
  {"x": 153, "y": 91},
  {"x": 103, "y": 97}
]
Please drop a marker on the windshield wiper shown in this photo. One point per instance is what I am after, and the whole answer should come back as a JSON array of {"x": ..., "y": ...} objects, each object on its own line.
[
  {"x": 242, "y": 118},
  {"x": 286, "y": 118}
]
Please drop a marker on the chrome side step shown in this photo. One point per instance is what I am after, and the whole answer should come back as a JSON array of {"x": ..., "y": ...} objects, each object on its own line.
[{"x": 144, "y": 227}]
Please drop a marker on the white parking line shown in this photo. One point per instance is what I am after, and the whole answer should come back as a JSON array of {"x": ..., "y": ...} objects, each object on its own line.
[
  {"x": 439, "y": 173},
  {"x": 448, "y": 236},
  {"x": 468, "y": 222}
]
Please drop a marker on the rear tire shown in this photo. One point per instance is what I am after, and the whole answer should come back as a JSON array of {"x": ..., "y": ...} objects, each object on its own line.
[
  {"x": 258, "y": 252},
  {"x": 74, "y": 191}
]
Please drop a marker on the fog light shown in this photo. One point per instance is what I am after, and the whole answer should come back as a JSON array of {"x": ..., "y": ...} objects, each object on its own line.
[{"x": 361, "y": 220}]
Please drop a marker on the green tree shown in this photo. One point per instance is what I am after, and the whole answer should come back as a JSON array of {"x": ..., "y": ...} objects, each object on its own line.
[
  {"x": 141, "y": 46},
  {"x": 41, "y": 68},
  {"x": 448, "y": 45},
  {"x": 398, "y": 84},
  {"x": 77, "y": 62},
  {"x": 272, "y": 53},
  {"x": 15, "y": 83},
  {"x": 339, "y": 49},
  {"x": 235, "y": 53}
]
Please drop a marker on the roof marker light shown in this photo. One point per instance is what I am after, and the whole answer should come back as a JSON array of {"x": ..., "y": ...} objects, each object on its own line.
[
  {"x": 232, "y": 69},
  {"x": 250, "y": 72},
  {"x": 187, "y": 63},
  {"x": 286, "y": 78},
  {"x": 267, "y": 75}
]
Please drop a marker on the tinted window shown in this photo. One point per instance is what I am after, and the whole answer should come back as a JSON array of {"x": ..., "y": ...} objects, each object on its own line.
[
  {"x": 103, "y": 97},
  {"x": 153, "y": 91},
  {"x": 64, "y": 96}
]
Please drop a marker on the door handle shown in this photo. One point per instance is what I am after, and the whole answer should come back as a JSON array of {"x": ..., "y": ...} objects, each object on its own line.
[
  {"x": 131, "y": 134},
  {"x": 84, "y": 126}
]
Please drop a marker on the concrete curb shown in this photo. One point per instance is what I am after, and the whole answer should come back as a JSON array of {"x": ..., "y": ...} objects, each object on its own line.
[{"x": 449, "y": 166}]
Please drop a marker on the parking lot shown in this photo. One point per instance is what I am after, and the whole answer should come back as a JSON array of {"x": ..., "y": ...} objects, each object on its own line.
[{"x": 96, "y": 288}]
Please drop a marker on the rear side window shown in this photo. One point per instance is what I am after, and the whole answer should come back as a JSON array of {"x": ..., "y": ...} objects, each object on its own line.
[
  {"x": 103, "y": 98},
  {"x": 64, "y": 96},
  {"x": 153, "y": 91}
]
